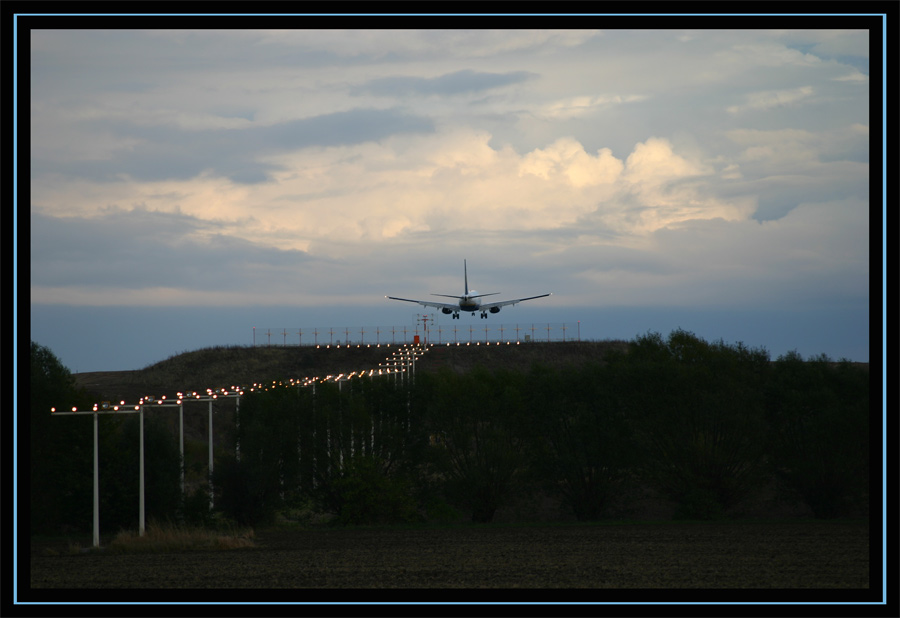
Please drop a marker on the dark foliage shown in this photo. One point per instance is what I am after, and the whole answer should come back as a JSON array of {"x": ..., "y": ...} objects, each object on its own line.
[
  {"x": 706, "y": 425},
  {"x": 475, "y": 422},
  {"x": 581, "y": 446},
  {"x": 62, "y": 454},
  {"x": 120, "y": 474},
  {"x": 348, "y": 448},
  {"x": 61, "y": 449},
  {"x": 698, "y": 415},
  {"x": 819, "y": 446}
]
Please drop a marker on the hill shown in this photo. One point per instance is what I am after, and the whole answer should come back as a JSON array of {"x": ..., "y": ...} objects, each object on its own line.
[{"x": 222, "y": 367}]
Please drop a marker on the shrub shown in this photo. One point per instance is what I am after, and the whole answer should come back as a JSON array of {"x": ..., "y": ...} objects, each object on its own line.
[
  {"x": 171, "y": 538},
  {"x": 364, "y": 494}
]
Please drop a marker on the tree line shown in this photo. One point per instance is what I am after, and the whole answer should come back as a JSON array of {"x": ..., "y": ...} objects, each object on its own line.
[{"x": 705, "y": 425}]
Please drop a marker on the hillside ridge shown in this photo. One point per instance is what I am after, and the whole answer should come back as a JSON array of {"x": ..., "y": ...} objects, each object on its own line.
[{"x": 226, "y": 366}]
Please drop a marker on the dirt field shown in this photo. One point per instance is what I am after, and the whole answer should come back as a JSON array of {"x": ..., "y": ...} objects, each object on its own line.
[{"x": 801, "y": 555}]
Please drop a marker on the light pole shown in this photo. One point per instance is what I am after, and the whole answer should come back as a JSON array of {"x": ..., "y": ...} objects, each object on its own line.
[{"x": 96, "y": 411}]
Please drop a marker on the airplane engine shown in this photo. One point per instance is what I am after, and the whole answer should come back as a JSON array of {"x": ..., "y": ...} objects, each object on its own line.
[
  {"x": 495, "y": 309},
  {"x": 447, "y": 311}
]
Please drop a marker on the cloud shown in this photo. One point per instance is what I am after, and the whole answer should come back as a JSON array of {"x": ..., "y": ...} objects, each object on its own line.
[
  {"x": 853, "y": 76},
  {"x": 450, "y": 84},
  {"x": 145, "y": 249},
  {"x": 771, "y": 99},
  {"x": 148, "y": 153},
  {"x": 584, "y": 105},
  {"x": 786, "y": 167},
  {"x": 453, "y": 180},
  {"x": 329, "y": 207},
  {"x": 769, "y": 54},
  {"x": 567, "y": 158},
  {"x": 816, "y": 254},
  {"x": 422, "y": 44}
]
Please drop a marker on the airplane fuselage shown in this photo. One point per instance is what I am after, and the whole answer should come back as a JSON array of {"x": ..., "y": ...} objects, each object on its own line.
[{"x": 468, "y": 303}]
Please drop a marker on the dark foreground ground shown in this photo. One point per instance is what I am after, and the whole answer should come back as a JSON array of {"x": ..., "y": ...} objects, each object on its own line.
[{"x": 764, "y": 555}]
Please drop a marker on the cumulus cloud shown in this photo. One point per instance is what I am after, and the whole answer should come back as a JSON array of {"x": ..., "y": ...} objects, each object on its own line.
[
  {"x": 399, "y": 189},
  {"x": 567, "y": 158}
]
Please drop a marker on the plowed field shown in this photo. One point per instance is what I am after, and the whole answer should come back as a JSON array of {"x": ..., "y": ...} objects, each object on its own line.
[{"x": 801, "y": 555}]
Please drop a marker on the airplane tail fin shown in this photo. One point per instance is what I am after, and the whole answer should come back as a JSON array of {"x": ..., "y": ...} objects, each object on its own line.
[{"x": 466, "y": 277}]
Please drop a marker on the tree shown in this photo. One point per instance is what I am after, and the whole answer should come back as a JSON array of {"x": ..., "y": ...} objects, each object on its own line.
[
  {"x": 120, "y": 474},
  {"x": 478, "y": 448},
  {"x": 698, "y": 414},
  {"x": 347, "y": 448},
  {"x": 365, "y": 493},
  {"x": 368, "y": 474},
  {"x": 582, "y": 445},
  {"x": 270, "y": 472},
  {"x": 60, "y": 449},
  {"x": 819, "y": 447}
]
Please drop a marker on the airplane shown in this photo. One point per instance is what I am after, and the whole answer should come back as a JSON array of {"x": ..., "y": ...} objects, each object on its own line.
[{"x": 469, "y": 302}]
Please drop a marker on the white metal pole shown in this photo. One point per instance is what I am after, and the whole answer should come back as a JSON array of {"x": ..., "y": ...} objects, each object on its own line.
[
  {"x": 210, "y": 455},
  {"x": 96, "y": 487},
  {"x": 181, "y": 443},
  {"x": 141, "y": 518}
]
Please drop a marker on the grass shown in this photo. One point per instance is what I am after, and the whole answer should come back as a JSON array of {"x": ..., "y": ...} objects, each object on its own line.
[{"x": 167, "y": 537}]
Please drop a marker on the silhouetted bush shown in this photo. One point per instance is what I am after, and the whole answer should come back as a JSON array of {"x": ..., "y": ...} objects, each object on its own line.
[
  {"x": 697, "y": 410},
  {"x": 365, "y": 494},
  {"x": 819, "y": 446}
]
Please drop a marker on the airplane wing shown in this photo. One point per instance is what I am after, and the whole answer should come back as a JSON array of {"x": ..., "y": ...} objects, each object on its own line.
[
  {"x": 503, "y": 303},
  {"x": 428, "y": 303}
]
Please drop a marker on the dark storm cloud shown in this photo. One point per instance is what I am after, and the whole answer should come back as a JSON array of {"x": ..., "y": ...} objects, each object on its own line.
[
  {"x": 145, "y": 249},
  {"x": 168, "y": 152},
  {"x": 460, "y": 82}
]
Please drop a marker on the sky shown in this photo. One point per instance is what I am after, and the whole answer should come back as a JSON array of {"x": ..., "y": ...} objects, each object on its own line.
[{"x": 190, "y": 188}]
